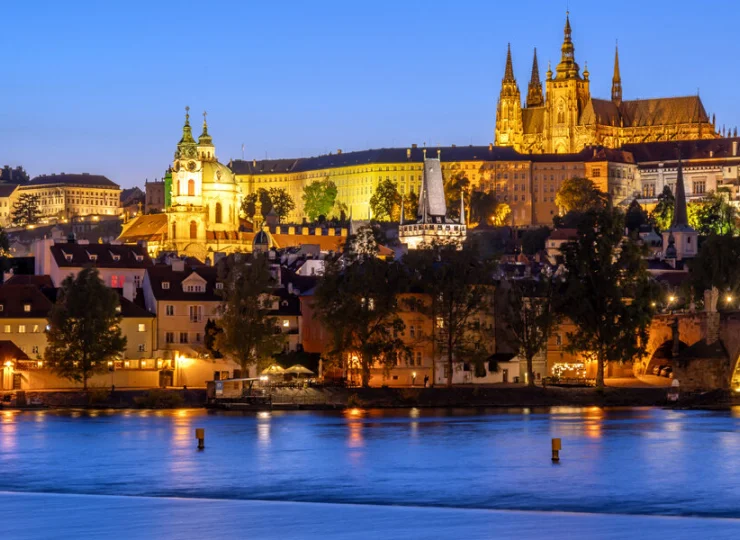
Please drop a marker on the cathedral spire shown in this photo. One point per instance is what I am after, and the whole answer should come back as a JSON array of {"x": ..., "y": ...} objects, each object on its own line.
[
  {"x": 534, "y": 92},
  {"x": 187, "y": 132},
  {"x": 509, "y": 72},
  {"x": 616, "y": 79},
  {"x": 567, "y": 68}
]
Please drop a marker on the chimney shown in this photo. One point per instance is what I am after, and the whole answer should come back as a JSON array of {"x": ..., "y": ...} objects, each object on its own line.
[
  {"x": 490, "y": 147},
  {"x": 414, "y": 145},
  {"x": 339, "y": 151},
  {"x": 734, "y": 148},
  {"x": 408, "y": 153}
]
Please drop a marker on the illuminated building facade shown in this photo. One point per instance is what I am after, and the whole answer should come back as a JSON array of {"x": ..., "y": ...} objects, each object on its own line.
[{"x": 567, "y": 119}]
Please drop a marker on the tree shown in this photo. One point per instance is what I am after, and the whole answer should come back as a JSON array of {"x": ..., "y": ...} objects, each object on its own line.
[
  {"x": 713, "y": 214},
  {"x": 662, "y": 214},
  {"x": 249, "y": 203},
  {"x": 716, "y": 266},
  {"x": 356, "y": 301},
  {"x": 385, "y": 203},
  {"x": 607, "y": 292},
  {"x": 530, "y": 317},
  {"x": 580, "y": 194},
  {"x": 281, "y": 202},
  {"x": 25, "y": 210},
  {"x": 410, "y": 205},
  {"x": 210, "y": 336},
  {"x": 459, "y": 283},
  {"x": 318, "y": 198},
  {"x": 483, "y": 205},
  {"x": 501, "y": 215},
  {"x": 457, "y": 185},
  {"x": 249, "y": 333},
  {"x": 635, "y": 217},
  {"x": 84, "y": 327}
]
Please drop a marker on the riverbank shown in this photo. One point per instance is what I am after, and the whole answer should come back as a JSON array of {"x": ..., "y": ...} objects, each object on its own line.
[{"x": 340, "y": 398}]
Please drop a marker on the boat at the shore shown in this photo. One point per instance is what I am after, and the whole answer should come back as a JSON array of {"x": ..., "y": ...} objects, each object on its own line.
[{"x": 243, "y": 394}]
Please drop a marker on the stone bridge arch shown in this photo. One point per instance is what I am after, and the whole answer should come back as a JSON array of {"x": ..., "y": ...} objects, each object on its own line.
[
  {"x": 691, "y": 328},
  {"x": 729, "y": 333}
]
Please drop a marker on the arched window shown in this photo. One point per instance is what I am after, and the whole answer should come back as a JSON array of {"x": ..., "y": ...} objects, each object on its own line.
[
  {"x": 178, "y": 188},
  {"x": 218, "y": 212},
  {"x": 174, "y": 231},
  {"x": 191, "y": 188},
  {"x": 193, "y": 229}
]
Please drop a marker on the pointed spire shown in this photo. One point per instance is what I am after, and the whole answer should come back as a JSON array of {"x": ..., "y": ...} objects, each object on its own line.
[
  {"x": 567, "y": 68},
  {"x": 616, "y": 79},
  {"x": 187, "y": 132},
  {"x": 509, "y": 72},
  {"x": 534, "y": 92},
  {"x": 205, "y": 139},
  {"x": 680, "y": 217}
]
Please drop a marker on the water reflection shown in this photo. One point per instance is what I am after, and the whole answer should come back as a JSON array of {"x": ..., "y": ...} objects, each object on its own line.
[
  {"x": 264, "y": 426},
  {"x": 8, "y": 433}
]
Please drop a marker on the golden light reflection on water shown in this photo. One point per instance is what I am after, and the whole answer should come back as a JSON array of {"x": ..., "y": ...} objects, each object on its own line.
[
  {"x": 264, "y": 427},
  {"x": 594, "y": 422},
  {"x": 8, "y": 431}
]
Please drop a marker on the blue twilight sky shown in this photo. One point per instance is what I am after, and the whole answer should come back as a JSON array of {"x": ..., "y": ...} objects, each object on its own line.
[{"x": 100, "y": 86}]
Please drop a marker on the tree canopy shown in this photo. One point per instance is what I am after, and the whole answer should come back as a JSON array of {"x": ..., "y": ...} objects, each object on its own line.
[
  {"x": 318, "y": 198},
  {"x": 713, "y": 214},
  {"x": 483, "y": 205},
  {"x": 385, "y": 203},
  {"x": 26, "y": 210},
  {"x": 249, "y": 203},
  {"x": 635, "y": 216},
  {"x": 662, "y": 214},
  {"x": 607, "y": 292},
  {"x": 580, "y": 194},
  {"x": 356, "y": 301},
  {"x": 716, "y": 266},
  {"x": 84, "y": 327},
  {"x": 249, "y": 333},
  {"x": 281, "y": 202}
]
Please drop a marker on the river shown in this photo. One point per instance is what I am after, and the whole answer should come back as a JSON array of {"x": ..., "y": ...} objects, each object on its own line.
[{"x": 420, "y": 473}]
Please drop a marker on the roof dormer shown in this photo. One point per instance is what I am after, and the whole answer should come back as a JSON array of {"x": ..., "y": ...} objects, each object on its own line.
[{"x": 91, "y": 256}]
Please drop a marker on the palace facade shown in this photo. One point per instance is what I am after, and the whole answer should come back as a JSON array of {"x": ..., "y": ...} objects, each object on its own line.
[{"x": 567, "y": 119}]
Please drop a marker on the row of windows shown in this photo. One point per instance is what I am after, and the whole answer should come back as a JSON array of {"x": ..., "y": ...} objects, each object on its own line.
[{"x": 183, "y": 337}]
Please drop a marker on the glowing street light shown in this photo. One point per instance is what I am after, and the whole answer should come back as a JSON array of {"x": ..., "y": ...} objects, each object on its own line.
[{"x": 671, "y": 299}]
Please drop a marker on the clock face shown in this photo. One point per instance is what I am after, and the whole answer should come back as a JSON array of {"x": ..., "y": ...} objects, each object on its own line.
[{"x": 191, "y": 165}]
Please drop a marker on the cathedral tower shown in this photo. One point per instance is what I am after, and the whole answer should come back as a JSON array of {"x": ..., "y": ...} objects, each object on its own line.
[
  {"x": 206, "y": 150},
  {"x": 534, "y": 92},
  {"x": 567, "y": 94},
  {"x": 509, "y": 111}
]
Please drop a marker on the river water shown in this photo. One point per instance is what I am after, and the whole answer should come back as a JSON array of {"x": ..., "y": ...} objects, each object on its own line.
[{"x": 380, "y": 473}]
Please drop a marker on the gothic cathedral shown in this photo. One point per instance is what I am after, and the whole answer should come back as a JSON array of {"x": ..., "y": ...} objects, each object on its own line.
[{"x": 566, "y": 118}]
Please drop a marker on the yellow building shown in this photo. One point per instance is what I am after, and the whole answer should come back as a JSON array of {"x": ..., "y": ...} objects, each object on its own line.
[
  {"x": 65, "y": 196},
  {"x": 567, "y": 119}
]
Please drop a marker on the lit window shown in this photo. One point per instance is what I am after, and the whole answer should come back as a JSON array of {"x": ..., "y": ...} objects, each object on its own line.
[
  {"x": 165, "y": 284},
  {"x": 35, "y": 329},
  {"x": 27, "y": 308},
  {"x": 7, "y": 329},
  {"x": 21, "y": 328},
  {"x": 142, "y": 328},
  {"x": 286, "y": 323},
  {"x": 219, "y": 285}
]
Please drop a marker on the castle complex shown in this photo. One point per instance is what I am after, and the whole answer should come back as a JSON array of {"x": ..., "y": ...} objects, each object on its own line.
[
  {"x": 627, "y": 148},
  {"x": 567, "y": 119}
]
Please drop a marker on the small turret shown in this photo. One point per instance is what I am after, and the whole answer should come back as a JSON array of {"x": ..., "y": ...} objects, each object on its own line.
[
  {"x": 206, "y": 150},
  {"x": 534, "y": 91}
]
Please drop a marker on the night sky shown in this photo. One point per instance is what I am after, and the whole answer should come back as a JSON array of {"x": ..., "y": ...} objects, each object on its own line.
[{"x": 101, "y": 87}]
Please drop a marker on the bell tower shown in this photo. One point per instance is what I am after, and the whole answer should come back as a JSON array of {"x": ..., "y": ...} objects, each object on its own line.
[{"x": 509, "y": 111}]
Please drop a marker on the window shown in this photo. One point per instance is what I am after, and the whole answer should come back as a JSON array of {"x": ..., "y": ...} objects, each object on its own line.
[
  {"x": 165, "y": 285},
  {"x": 114, "y": 282},
  {"x": 1, "y": 307},
  {"x": 35, "y": 350},
  {"x": 558, "y": 339},
  {"x": 418, "y": 358},
  {"x": 7, "y": 329},
  {"x": 412, "y": 331},
  {"x": 142, "y": 347},
  {"x": 169, "y": 337},
  {"x": 286, "y": 323},
  {"x": 218, "y": 212},
  {"x": 440, "y": 322},
  {"x": 27, "y": 308},
  {"x": 219, "y": 286},
  {"x": 197, "y": 337},
  {"x": 137, "y": 281},
  {"x": 183, "y": 337},
  {"x": 35, "y": 329},
  {"x": 169, "y": 310},
  {"x": 194, "y": 288},
  {"x": 174, "y": 230},
  {"x": 21, "y": 328},
  {"x": 193, "y": 230},
  {"x": 142, "y": 327},
  {"x": 196, "y": 313},
  {"x": 699, "y": 187},
  {"x": 191, "y": 188}
]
